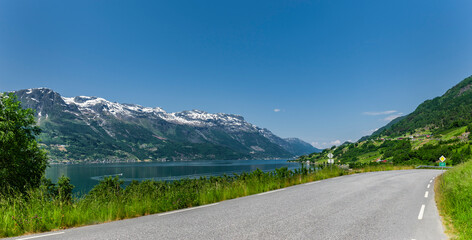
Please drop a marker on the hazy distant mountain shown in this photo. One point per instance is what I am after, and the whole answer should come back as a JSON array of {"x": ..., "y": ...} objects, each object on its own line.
[
  {"x": 299, "y": 146},
  {"x": 91, "y": 128}
]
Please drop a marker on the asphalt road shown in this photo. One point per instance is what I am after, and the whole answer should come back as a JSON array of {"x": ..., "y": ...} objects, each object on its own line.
[{"x": 378, "y": 205}]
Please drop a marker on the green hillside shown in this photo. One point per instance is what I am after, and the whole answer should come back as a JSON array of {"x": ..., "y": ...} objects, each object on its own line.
[
  {"x": 452, "y": 110},
  {"x": 437, "y": 127}
]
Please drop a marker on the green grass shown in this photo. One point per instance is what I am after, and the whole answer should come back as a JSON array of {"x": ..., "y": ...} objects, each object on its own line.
[
  {"x": 423, "y": 131},
  {"x": 382, "y": 167},
  {"x": 38, "y": 211},
  {"x": 454, "y": 198},
  {"x": 452, "y": 133},
  {"x": 369, "y": 157}
]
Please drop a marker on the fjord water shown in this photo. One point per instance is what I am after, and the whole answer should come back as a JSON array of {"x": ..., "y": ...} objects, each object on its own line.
[{"x": 85, "y": 176}]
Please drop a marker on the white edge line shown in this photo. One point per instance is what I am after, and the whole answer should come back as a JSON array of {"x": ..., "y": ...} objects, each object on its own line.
[
  {"x": 426, "y": 194},
  {"x": 264, "y": 193},
  {"x": 428, "y": 185},
  {"x": 420, "y": 216},
  {"x": 311, "y": 183},
  {"x": 45, "y": 235},
  {"x": 430, "y": 181},
  {"x": 186, "y": 209}
]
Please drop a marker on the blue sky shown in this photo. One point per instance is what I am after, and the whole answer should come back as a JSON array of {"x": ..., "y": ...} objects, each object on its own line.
[{"x": 323, "y": 71}]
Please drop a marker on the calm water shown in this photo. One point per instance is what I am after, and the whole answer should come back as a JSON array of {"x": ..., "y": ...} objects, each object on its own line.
[{"x": 85, "y": 176}]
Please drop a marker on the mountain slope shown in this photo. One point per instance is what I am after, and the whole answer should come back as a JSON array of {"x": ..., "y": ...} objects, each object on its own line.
[
  {"x": 438, "y": 127},
  {"x": 453, "y": 109},
  {"x": 93, "y": 129},
  {"x": 299, "y": 146}
]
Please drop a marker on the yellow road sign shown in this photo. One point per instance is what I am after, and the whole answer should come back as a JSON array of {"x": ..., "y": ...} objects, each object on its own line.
[{"x": 442, "y": 159}]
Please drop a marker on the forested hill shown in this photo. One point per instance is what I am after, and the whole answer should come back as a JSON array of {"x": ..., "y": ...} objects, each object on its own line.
[
  {"x": 451, "y": 110},
  {"x": 441, "y": 126}
]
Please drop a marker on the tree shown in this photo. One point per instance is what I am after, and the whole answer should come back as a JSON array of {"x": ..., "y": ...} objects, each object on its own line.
[{"x": 22, "y": 162}]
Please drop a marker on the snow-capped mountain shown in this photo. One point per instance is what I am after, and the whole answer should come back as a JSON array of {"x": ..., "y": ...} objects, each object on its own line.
[{"x": 92, "y": 128}]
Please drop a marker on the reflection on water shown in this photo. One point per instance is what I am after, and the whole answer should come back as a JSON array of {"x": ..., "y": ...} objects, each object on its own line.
[{"x": 85, "y": 176}]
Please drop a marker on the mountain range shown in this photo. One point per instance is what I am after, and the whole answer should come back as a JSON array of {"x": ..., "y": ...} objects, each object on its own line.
[{"x": 90, "y": 129}]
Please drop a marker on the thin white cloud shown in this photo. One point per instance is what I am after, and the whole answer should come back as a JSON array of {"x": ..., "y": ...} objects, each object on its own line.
[
  {"x": 276, "y": 110},
  {"x": 320, "y": 145},
  {"x": 368, "y": 132},
  {"x": 380, "y": 113},
  {"x": 323, "y": 145},
  {"x": 391, "y": 117},
  {"x": 336, "y": 142},
  {"x": 316, "y": 144}
]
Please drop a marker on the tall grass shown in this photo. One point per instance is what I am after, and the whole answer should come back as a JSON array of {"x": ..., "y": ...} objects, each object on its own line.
[
  {"x": 454, "y": 198},
  {"x": 382, "y": 167},
  {"x": 39, "y": 211}
]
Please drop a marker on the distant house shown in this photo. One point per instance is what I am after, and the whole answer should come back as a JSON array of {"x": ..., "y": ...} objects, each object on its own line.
[{"x": 380, "y": 160}]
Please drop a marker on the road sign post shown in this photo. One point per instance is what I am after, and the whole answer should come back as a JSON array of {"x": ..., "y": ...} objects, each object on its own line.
[
  {"x": 442, "y": 163},
  {"x": 330, "y": 159}
]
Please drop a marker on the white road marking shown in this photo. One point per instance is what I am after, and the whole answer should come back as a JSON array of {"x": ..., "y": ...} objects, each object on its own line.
[
  {"x": 430, "y": 181},
  {"x": 420, "y": 216},
  {"x": 278, "y": 190},
  {"x": 45, "y": 235},
  {"x": 428, "y": 185},
  {"x": 310, "y": 183},
  {"x": 187, "y": 209},
  {"x": 426, "y": 194}
]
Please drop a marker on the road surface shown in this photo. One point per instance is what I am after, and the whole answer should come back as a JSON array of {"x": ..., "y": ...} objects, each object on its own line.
[{"x": 378, "y": 205}]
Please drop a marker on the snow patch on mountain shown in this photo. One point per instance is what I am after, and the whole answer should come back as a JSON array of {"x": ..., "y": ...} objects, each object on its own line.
[
  {"x": 135, "y": 123},
  {"x": 198, "y": 118}
]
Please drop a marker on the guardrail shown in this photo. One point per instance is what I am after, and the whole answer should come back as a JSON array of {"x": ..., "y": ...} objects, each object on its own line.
[{"x": 426, "y": 166}]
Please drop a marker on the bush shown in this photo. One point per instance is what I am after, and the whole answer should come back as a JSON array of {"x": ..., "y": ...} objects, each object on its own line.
[
  {"x": 109, "y": 187},
  {"x": 64, "y": 189}
]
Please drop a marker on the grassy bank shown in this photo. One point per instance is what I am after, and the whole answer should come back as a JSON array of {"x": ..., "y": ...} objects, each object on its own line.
[
  {"x": 381, "y": 167},
  {"x": 39, "y": 211},
  {"x": 454, "y": 200}
]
